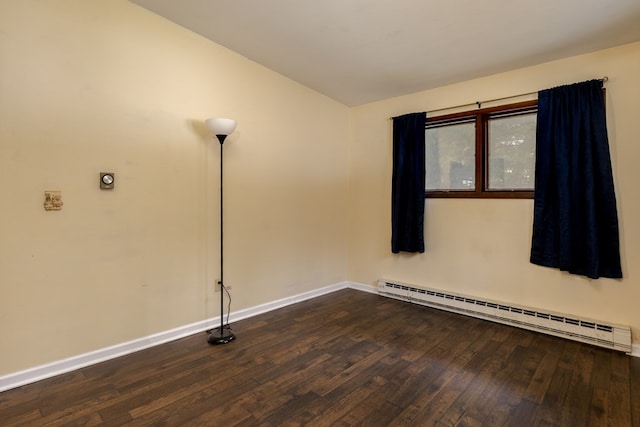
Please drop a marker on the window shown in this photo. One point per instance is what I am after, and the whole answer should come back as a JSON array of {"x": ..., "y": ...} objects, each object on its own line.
[{"x": 485, "y": 153}]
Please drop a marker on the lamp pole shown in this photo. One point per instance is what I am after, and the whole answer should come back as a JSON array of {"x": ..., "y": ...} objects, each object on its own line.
[{"x": 221, "y": 128}]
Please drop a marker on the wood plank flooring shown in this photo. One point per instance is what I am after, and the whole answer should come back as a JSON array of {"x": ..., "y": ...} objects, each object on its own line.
[{"x": 345, "y": 359}]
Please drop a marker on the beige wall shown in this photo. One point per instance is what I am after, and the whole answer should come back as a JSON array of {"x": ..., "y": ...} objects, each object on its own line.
[
  {"x": 481, "y": 247},
  {"x": 103, "y": 85}
]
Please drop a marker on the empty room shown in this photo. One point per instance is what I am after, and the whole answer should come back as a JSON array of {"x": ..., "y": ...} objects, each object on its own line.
[{"x": 319, "y": 213}]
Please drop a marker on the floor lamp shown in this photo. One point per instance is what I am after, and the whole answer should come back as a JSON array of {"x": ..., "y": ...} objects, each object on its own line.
[{"x": 221, "y": 128}]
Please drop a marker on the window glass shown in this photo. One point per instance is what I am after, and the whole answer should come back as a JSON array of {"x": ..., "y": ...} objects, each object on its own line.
[
  {"x": 511, "y": 152},
  {"x": 450, "y": 157}
]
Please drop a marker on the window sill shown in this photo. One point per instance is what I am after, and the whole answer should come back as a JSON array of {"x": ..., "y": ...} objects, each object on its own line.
[{"x": 462, "y": 194}]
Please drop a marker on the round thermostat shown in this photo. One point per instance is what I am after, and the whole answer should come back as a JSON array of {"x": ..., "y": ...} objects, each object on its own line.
[{"x": 107, "y": 180}]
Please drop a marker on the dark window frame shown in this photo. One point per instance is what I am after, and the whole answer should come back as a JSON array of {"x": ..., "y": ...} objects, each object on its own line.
[{"x": 481, "y": 117}]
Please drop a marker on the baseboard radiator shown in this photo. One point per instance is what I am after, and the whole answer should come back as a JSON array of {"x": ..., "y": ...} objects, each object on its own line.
[{"x": 603, "y": 334}]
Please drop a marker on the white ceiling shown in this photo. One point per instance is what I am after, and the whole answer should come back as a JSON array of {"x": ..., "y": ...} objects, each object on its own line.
[{"x": 359, "y": 51}]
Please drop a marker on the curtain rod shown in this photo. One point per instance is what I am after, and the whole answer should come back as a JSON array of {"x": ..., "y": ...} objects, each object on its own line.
[{"x": 479, "y": 103}]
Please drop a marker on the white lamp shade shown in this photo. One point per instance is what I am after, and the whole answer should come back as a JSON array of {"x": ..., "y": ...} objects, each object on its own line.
[{"x": 221, "y": 126}]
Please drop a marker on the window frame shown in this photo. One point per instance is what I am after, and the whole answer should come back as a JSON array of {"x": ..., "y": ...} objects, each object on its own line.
[{"x": 481, "y": 118}]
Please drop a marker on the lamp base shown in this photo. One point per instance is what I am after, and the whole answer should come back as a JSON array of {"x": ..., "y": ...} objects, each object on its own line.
[{"x": 220, "y": 336}]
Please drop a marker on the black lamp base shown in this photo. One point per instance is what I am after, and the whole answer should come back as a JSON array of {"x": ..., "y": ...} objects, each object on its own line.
[{"x": 221, "y": 336}]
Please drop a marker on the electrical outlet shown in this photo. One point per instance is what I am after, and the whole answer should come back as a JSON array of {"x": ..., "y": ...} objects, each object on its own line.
[{"x": 218, "y": 288}]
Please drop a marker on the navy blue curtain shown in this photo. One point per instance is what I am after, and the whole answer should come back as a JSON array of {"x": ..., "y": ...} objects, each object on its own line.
[
  {"x": 407, "y": 197},
  {"x": 575, "y": 223}
]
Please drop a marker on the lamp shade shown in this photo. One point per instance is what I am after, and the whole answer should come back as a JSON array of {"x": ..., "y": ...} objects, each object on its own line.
[{"x": 221, "y": 126}]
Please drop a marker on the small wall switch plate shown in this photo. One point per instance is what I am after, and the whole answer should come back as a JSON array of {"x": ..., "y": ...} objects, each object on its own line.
[
  {"x": 52, "y": 200},
  {"x": 107, "y": 180}
]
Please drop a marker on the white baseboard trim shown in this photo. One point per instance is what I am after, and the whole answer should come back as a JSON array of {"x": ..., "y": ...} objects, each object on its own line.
[
  {"x": 62, "y": 366},
  {"x": 372, "y": 289},
  {"x": 58, "y": 367},
  {"x": 274, "y": 305},
  {"x": 52, "y": 369}
]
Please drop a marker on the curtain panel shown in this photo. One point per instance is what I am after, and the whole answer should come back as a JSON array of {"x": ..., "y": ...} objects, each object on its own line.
[
  {"x": 575, "y": 223},
  {"x": 408, "y": 183}
]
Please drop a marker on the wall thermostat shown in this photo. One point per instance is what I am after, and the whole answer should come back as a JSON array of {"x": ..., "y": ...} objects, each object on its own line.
[{"x": 107, "y": 180}]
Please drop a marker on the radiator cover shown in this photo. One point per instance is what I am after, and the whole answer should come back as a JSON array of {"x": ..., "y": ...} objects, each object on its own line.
[{"x": 603, "y": 334}]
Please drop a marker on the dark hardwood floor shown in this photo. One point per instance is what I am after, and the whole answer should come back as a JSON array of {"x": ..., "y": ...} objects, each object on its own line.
[{"x": 349, "y": 358}]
